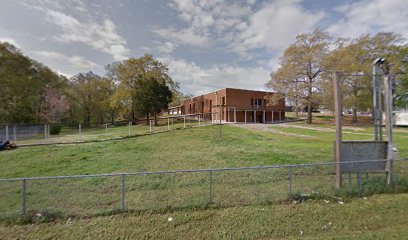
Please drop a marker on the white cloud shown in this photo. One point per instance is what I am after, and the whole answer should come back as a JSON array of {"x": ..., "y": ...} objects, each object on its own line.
[
  {"x": 275, "y": 25},
  {"x": 238, "y": 25},
  {"x": 371, "y": 16},
  {"x": 78, "y": 63},
  {"x": 204, "y": 19},
  {"x": 199, "y": 80},
  {"x": 10, "y": 40},
  {"x": 99, "y": 33},
  {"x": 166, "y": 47}
]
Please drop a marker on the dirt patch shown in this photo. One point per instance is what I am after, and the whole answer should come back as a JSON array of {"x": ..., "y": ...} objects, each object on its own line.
[{"x": 267, "y": 128}]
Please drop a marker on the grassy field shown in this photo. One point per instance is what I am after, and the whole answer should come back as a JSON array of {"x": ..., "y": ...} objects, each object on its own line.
[
  {"x": 187, "y": 149},
  {"x": 237, "y": 196},
  {"x": 377, "y": 217}
]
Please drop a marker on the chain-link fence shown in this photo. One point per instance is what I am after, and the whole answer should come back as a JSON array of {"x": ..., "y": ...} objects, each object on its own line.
[
  {"x": 90, "y": 195},
  {"x": 24, "y": 135}
]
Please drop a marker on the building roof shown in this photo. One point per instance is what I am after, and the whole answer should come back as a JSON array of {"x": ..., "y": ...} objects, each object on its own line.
[{"x": 240, "y": 89}]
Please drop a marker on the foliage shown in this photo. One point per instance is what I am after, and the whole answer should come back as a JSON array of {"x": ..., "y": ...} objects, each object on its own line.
[
  {"x": 300, "y": 70},
  {"x": 23, "y": 85},
  {"x": 401, "y": 90},
  {"x": 91, "y": 95},
  {"x": 152, "y": 96},
  {"x": 354, "y": 58},
  {"x": 54, "y": 105},
  {"x": 55, "y": 129},
  {"x": 131, "y": 75}
]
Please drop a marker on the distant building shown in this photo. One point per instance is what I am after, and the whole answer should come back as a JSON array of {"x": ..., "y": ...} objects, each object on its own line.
[
  {"x": 401, "y": 118},
  {"x": 234, "y": 105}
]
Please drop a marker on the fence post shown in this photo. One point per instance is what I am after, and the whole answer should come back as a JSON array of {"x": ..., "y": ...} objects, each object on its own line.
[
  {"x": 168, "y": 123},
  {"x": 80, "y": 132},
  {"x": 359, "y": 184},
  {"x": 150, "y": 126},
  {"x": 210, "y": 187},
  {"x": 106, "y": 131},
  {"x": 7, "y": 132},
  {"x": 24, "y": 209},
  {"x": 290, "y": 182},
  {"x": 199, "y": 120},
  {"x": 45, "y": 131},
  {"x": 48, "y": 131},
  {"x": 123, "y": 192},
  {"x": 184, "y": 121},
  {"x": 130, "y": 128},
  {"x": 15, "y": 133}
]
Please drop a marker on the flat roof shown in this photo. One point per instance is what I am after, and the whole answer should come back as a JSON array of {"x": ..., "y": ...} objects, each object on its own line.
[{"x": 240, "y": 89}]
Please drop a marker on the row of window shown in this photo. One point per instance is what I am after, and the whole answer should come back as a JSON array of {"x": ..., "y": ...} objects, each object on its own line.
[{"x": 258, "y": 102}]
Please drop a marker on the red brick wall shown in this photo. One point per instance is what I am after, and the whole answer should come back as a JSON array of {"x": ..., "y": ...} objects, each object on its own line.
[{"x": 238, "y": 98}]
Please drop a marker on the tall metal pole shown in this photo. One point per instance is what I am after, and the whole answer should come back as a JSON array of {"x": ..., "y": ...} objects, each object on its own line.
[
  {"x": 377, "y": 102},
  {"x": 389, "y": 122},
  {"x": 375, "y": 110},
  {"x": 338, "y": 109}
]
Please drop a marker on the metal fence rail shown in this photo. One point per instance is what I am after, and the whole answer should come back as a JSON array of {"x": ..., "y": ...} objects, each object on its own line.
[
  {"x": 26, "y": 135},
  {"x": 87, "y": 195}
]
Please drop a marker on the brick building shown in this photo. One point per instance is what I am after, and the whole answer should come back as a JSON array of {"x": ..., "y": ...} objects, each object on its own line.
[{"x": 234, "y": 105}]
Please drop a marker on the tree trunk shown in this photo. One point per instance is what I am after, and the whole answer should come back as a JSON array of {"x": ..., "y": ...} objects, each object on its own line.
[
  {"x": 147, "y": 119},
  {"x": 354, "y": 115},
  {"x": 309, "y": 105},
  {"x": 88, "y": 119},
  {"x": 112, "y": 116},
  {"x": 155, "y": 119},
  {"x": 296, "y": 108}
]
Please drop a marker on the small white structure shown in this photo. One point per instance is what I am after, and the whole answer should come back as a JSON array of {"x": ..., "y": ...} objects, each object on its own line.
[{"x": 401, "y": 118}]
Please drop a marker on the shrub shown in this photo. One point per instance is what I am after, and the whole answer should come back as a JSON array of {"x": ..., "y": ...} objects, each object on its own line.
[{"x": 55, "y": 129}]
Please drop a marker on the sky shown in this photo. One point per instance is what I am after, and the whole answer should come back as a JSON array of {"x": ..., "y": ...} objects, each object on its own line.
[{"x": 207, "y": 44}]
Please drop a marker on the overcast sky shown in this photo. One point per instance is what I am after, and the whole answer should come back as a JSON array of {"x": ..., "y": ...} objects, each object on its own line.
[{"x": 207, "y": 44}]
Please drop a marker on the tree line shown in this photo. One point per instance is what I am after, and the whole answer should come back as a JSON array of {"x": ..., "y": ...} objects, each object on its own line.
[
  {"x": 132, "y": 89},
  {"x": 306, "y": 68}
]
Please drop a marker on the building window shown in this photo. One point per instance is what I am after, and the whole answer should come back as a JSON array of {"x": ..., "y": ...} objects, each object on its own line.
[
  {"x": 223, "y": 100},
  {"x": 252, "y": 102},
  {"x": 258, "y": 102},
  {"x": 264, "y": 102}
]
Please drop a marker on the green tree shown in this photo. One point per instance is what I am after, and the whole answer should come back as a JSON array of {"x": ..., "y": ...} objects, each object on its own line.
[
  {"x": 354, "y": 58},
  {"x": 133, "y": 73},
  {"x": 91, "y": 95},
  {"x": 299, "y": 75},
  {"x": 152, "y": 97},
  {"x": 23, "y": 82}
]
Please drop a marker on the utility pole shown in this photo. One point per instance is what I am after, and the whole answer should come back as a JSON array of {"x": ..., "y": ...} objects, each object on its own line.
[
  {"x": 389, "y": 122},
  {"x": 338, "y": 109},
  {"x": 377, "y": 102}
]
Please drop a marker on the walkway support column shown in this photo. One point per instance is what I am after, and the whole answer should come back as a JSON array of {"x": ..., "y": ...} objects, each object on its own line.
[
  {"x": 264, "y": 117},
  {"x": 235, "y": 115}
]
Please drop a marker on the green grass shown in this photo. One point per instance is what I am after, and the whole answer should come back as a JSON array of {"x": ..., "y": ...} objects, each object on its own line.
[
  {"x": 378, "y": 217},
  {"x": 179, "y": 149},
  {"x": 156, "y": 196}
]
